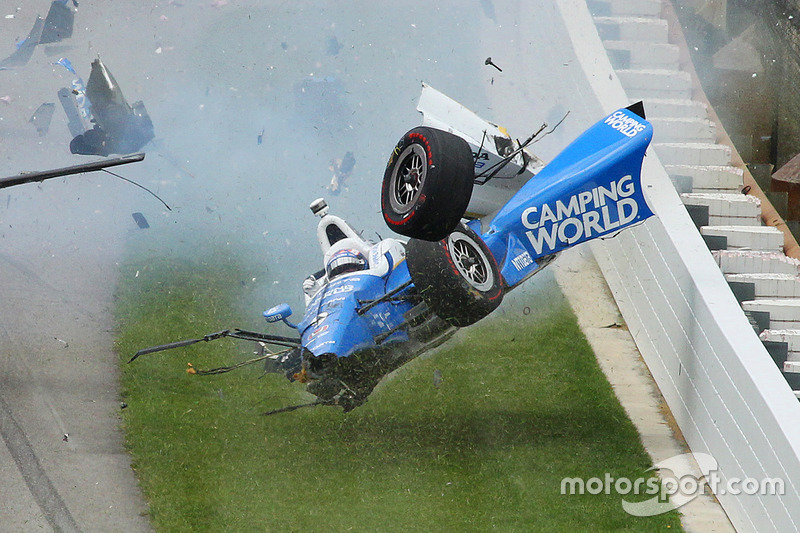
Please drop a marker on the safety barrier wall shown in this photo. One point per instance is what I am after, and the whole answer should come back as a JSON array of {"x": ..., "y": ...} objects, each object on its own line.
[{"x": 726, "y": 394}]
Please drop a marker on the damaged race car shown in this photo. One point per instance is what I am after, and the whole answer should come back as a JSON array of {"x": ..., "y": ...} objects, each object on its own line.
[{"x": 482, "y": 215}]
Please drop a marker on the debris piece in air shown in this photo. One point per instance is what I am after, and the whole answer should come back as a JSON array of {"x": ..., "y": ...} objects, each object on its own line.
[
  {"x": 488, "y": 10},
  {"x": 41, "y": 118},
  {"x": 53, "y": 29},
  {"x": 58, "y": 24},
  {"x": 75, "y": 102},
  {"x": 140, "y": 220},
  {"x": 489, "y": 62},
  {"x": 70, "y": 105},
  {"x": 333, "y": 46},
  {"x": 261, "y": 137},
  {"x": 341, "y": 168},
  {"x": 30, "y": 177},
  {"x": 25, "y": 47},
  {"x": 119, "y": 128}
]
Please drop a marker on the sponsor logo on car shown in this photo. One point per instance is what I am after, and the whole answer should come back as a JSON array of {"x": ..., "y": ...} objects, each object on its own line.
[
  {"x": 522, "y": 260},
  {"x": 624, "y": 124},
  {"x": 582, "y": 216},
  {"x": 341, "y": 289},
  {"x": 318, "y": 332}
]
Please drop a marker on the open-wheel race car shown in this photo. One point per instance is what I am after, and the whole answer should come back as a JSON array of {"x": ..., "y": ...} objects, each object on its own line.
[{"x": 482, "y": 216}]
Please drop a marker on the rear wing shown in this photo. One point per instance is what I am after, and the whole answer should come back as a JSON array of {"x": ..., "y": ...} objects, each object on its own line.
[{"x": 591, "y": 189}]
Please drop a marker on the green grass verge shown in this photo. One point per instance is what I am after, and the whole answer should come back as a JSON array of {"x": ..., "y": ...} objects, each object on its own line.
[{"x": 521, "y": 405}]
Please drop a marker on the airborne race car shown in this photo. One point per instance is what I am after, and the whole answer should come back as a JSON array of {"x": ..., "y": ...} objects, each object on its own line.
[{"x": 483, "y": 215}]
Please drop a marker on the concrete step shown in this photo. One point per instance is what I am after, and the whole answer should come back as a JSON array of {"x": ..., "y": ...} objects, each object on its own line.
[
  {"x": 703, "y": 154},
  {"x": 625, "y": 8},
  {"x": 783, "y": 313},
  {"x": 613, "y": 28},
  {"x": 657, "y": 83},
  {"x": 685, "y": 130},
  {"x": 762, "y": 238},
  {"x": 727, "y": 209},
  {"x": 752, "y": 262},
  {"x": 642, "y": 55},
  {"x": 789, "y": 336},
  {"x": 770, "y": 285},
  {"x": 792, "y": 367},
  {"x": 708, "y": 178},
  {"x": 674, "y": 108}
]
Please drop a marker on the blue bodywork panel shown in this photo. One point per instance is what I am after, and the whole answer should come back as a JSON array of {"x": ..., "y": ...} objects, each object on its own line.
[
  {"x": 591, "y": 189},
  {"x": 331, "y": 323}
]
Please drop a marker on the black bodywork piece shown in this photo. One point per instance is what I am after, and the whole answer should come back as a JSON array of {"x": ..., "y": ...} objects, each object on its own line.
[
  {"x": 119, "y": 127},
  {"x": 39, "y": 176}
]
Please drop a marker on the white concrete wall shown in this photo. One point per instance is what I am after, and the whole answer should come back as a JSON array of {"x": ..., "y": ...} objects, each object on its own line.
[{"x": 726, "y": 394}]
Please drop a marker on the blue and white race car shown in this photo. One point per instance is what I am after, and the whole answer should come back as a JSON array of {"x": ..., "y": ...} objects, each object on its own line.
[{"x": 482, "y": 216}]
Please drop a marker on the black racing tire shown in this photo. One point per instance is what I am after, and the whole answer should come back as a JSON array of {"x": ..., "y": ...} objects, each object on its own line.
[
  {"x": 457, "y": 276},
  {"x": 427, "y": 184}
]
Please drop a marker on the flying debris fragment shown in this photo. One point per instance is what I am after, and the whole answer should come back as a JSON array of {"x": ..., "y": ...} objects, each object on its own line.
[
  {"x": 333, "y": 46},
  {"x": 59, "y": 22},
  {"x": 31, "y": 177},
  {"x": 490, "y": 62},
  {"x": 341, "y": 168},
  {"x": 69, "y": 102},
  {"x": 41, "y": 118},
  {"x": 140, "y": 220},
  {"x": 103, "y": 165},
  {"x": 74, "y": 101},
  {"x": 56, "y": 27},
  {"x": 25, "y": 47},
  {"x": 100, "y": 118}
]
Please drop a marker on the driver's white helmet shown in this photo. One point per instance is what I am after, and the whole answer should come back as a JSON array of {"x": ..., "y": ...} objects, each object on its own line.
[{"x": 344, "y": 261}]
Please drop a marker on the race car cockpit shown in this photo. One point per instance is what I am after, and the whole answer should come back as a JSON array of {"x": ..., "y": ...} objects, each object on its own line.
[{"x": 346, "y": 252}]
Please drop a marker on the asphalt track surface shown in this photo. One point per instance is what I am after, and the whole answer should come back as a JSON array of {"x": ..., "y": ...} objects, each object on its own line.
[{"x": 320, "y": 79}]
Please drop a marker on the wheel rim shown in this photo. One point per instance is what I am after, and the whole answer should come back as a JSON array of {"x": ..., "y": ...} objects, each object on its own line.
[
  {"x": 408, "y": 177},
  {"x": 470, "y": 261}
]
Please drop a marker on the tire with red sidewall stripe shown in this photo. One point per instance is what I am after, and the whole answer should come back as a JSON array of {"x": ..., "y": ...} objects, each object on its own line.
[
  {"x": 427, "y": 184},
  {"x": 457, "y": 276}
]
